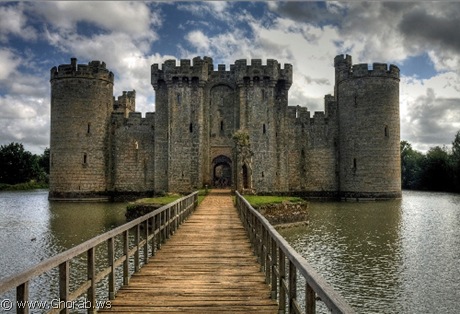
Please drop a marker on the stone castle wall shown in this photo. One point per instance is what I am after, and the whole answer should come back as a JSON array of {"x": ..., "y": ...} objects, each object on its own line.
[
  {"x": 81, "y": 106},
  {"x": 100, "y": 145},
  {"x": 132, "y": 153},
  {"x": 369, "y": 129}
]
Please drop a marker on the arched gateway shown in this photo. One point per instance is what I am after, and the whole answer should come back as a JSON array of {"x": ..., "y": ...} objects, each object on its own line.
[{"x": 222, "y": 172}]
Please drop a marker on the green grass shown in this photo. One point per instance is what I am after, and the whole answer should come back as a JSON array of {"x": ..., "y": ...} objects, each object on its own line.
[
  {"x": 163, "y": 200},
  {"x": 257, "y": 200}
]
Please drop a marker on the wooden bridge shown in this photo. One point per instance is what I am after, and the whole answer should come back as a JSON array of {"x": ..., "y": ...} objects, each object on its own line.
[
  {"x": 222, "y": 260},
  {"x": 207, "y": 266}
]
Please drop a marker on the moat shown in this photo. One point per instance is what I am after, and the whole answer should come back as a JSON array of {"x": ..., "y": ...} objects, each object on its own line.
[{"x": 397, "y": 256}]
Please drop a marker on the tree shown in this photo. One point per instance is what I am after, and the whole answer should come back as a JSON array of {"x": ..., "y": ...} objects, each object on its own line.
[
  {"x": 411, "y": 166},
  {"x": 45, "y": 161},
  {"x": 17, "y": 165},
  {"x": 437, "y": 171},
  {"x": 456, "y": 161}
]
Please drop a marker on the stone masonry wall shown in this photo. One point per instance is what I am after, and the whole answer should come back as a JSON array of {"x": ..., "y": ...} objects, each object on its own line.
[
  {"x": 81, "y": 104},
  {"x": 100, "y": 145},
  {"x": 368, "y": 110},
  {"x": 132, "y": 153}
]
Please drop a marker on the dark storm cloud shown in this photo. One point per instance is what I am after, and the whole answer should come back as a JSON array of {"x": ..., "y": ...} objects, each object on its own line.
[
  {"x": 308, "y": 12},
  {"x": 436, "y": 30}
]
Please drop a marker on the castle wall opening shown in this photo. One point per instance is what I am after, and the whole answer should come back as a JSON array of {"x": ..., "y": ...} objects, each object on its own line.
[{"x": 222, "y": 172}]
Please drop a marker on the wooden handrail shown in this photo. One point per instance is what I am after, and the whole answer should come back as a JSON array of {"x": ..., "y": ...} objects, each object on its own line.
[
  {"x": 163, "y": 221},
  {"x": 273, "y": 251}
]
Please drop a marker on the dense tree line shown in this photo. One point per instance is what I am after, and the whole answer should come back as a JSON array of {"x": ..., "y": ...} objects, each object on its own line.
[
  {"x": 437, "y": 170},
  {"x": 20, "y": 166}
]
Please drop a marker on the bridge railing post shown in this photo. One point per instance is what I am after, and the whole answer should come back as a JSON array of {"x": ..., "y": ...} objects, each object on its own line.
[
  {"x": 126, "y": 255},
  {"x": 111, "y": 258},
  {"x": 22, "y": 296},
  {"x": 274, "y": 270},
  {"x": 64, "y": 287},
  {"x": 137, "y": 235},
  {"x": 310, "y": 299},
  {"x": 91, "y": 272},
  {"x": 282, "y": 281},
  {"x": 146, "y": 244},
  {"x": 293, "y": 307}
]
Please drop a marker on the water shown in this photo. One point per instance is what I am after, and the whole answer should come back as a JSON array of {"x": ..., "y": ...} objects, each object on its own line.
[
  {"x": 399, "y": 256},
  {"x": 33, "y": 229}
]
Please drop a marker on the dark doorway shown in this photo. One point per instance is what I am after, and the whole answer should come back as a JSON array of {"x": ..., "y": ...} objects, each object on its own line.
[
  {"x": 222, "y": 172},
  {"x": 245, "y": 177}
]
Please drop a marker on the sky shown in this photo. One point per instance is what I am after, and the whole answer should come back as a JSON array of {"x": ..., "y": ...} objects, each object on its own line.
[{"x": 421, "y": 38}]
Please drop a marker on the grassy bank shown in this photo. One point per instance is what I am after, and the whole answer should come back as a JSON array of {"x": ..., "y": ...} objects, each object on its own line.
[
  {"x": 257, "y": 200},
  {"x": 32, "y": 185},
  {"x": 145, "y": 205},
  {"x": 280, "y": 210}
]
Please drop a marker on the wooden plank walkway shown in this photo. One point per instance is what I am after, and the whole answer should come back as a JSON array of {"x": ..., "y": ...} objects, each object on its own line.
[{"x": 206, "y": 267}]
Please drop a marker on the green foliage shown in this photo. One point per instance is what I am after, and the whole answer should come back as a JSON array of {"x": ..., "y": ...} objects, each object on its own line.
[
  {"x": 411, "y": 166},
  {"x": 437, "y": 170},
  {"x": 31, "y": 185},
  {"x": 18, "y": 166}
]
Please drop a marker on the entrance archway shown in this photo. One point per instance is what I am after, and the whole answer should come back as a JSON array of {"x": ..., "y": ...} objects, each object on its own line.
[{"x": 222, "y": 172}]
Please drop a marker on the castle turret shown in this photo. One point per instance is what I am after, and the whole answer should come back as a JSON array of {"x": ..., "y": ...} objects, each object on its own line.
[
  {"x": 81, "y": 106},
  {"x": 369, "y": 129}
]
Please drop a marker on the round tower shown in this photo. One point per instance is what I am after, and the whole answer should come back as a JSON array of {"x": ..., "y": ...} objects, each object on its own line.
[
  {"x": 369, "y": 130},
  {"x": 81, "y": 106}
]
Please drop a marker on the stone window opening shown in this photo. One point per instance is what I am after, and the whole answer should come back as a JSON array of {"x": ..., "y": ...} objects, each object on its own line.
[
  {"x": 221, "y": 125},
  {"x": 263, "y": 175},
  {"x": 85, "y": 159},
  {"x": 354, "y": 164},
  {"x": 386, "y": 131},
  {"x": 356, "y": 101},
  {"x": 88, "y": 129},
  {"x": 190, "y": 127},
  {"x": 264, "y": 128}
]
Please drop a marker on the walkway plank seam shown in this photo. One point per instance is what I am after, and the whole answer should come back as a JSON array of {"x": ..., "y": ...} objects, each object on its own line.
[{"x": 207, "y": 266}]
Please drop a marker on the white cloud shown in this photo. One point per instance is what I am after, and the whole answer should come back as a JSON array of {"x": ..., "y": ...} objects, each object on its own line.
[
  {"x": 14, "y": 22},
  {"x": 198, "y": 40},
  {"x": 8, "y": 63},
  {"x": 134, "y": 18},
  {"x": 25, "y": 120}
]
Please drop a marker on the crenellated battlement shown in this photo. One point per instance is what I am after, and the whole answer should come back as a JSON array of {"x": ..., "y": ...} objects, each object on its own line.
[
  {"x": 125, "y": 103},
  {"x": 134, "y": 118},
  {"x": 203, "y": 70},
  {"x": 377, "y": 69},
  {"x": 272, "y": 70},
  {"x": 169, "y": 71},
  {"x": 92, "y": 70},
  {"x": 345, "y": 69}
]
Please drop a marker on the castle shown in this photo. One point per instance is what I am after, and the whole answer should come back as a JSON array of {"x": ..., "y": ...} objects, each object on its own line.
[{"x": 224, "y": 127}]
